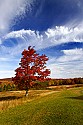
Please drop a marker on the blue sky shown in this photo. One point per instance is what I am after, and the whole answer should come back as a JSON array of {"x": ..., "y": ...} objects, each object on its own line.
[{"x": 54, "y": 27}]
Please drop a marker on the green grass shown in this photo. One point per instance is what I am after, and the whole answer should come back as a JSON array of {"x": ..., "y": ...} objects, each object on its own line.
[{"x": 58, "y": 108}]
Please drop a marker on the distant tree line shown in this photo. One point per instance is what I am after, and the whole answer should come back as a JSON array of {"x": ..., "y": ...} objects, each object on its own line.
[
  {"x": 57, "y": 82},
  {"x": 70, "y": 81},
  {"x": 10, "y": 86}
]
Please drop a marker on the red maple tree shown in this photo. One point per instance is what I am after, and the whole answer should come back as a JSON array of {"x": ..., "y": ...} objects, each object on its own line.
[{"x": 32, "y": 68}]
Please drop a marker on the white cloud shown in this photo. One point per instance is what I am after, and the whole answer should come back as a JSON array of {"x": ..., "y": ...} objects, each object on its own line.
[
  {"x": 24, "y": 39},
  {"x": 3, "y": 59},
  {"x": 22, "y": 34},
  {"x": 67, "y": 66},
  {"x": 6, "y": 74},
  {"x": 8, "y": 65},
  {"x": 62, "y": 34},
  {"x": 73, "y": 52},
  {"x": 66, "y": 70},
  {"x": 71, "y": 55},
  {"x": 56, "y": 34},
  {"x": 51, "y": 37},
  {"x": 9, "y": 9}
]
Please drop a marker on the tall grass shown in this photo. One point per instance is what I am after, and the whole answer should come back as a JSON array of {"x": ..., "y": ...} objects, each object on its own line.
[
  {"x": 13, "y": 98},
  {"x": 47, "y": 108}
]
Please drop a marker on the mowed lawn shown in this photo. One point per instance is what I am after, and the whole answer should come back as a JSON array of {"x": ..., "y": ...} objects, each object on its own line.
[{"x": 63, "y": 107}]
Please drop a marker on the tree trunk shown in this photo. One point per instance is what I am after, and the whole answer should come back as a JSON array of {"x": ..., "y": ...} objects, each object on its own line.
[{"x": 26, "y": 94}]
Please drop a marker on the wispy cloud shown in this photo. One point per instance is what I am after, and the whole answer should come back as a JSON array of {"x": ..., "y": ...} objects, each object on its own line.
[
  {"x": 7, "y": 66},
  {"x": 69, "y": 65},
  {"x": 9, "y": 9},
  {"x": 51, "y": 37},
  {"x": 61, "y": 34},
  {"x": 24, "y": 39},
  {"x": 66, "y": 70},
  {"x": 72, "y": 55},
  {"x": 6, "y": 73}
]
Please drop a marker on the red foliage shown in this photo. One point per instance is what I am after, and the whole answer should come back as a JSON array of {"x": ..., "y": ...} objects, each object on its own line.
[{"x": 32, "y": 68}]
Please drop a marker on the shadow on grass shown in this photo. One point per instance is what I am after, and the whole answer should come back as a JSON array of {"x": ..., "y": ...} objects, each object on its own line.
[
  {"x": 9, "y": 98},
  {"x": 78, "y": 97}
]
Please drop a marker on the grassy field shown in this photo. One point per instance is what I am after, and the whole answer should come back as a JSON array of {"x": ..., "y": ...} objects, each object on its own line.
[{"x": 43, "y": 107}]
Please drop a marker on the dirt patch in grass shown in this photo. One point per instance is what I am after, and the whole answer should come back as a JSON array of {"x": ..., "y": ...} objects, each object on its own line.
[{"x": 64, "y": 87}]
